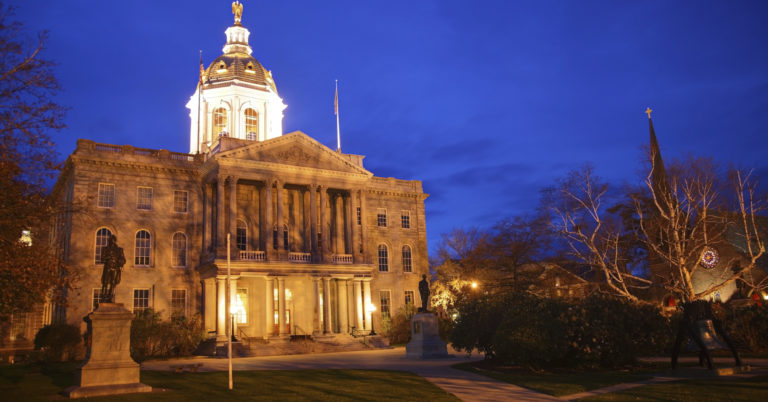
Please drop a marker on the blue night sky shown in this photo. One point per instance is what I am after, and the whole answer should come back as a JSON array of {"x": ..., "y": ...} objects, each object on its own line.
[{"x": 484, "y": 101}]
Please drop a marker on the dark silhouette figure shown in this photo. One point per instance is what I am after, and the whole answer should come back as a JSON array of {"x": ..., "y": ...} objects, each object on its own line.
[
  {"x": 113, "y": 258},
  {"x": 699, "y": 320},
  {"x": 424, "y": 292}
]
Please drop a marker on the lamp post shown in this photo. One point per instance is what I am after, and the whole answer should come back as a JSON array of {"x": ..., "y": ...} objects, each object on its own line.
[{"x": 372, "y": 308}]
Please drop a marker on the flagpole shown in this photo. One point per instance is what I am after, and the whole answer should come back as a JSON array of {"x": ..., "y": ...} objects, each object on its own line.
[{"x": 336, "y": 110}]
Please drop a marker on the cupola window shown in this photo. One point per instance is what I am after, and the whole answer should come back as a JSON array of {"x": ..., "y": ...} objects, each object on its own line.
[
  {"x": 220, "y": 121},
  {"x": 251, "y": 125},
  {"x": 250, "y": 68},
  {"x": 222, "y": 67}
]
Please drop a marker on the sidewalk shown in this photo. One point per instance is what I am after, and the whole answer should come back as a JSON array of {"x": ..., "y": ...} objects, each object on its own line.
[{"x": 464, "y": 385}]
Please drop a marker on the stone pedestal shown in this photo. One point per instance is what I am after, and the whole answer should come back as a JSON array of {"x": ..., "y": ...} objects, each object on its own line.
[
  {"x": 108, "y": 368},
  {"x": 425, "y": 338}
]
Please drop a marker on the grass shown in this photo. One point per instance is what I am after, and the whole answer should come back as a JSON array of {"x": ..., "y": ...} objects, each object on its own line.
[
  {"x": 563, "y": 382},
  {"x": 39, "y": 383},
  {"x": 722, "y": 389}
]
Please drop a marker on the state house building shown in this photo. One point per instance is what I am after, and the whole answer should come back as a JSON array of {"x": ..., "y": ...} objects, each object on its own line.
[{"x": 319, "y": 245}]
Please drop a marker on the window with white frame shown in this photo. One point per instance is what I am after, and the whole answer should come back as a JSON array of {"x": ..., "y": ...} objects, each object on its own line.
[
  {"x": 386, "y": 302},
  {"x": 359, "y": 216},
  {"x": 142, "y": 248},
  {"x": 405, "y": 219},
  {"x": 178, "y": 302},
  {"x": 407, "y": 267},
  {"x": 106, "y": 197},
  {"x": 381, "y": 217},
  {"x": 251, "y": 125},
  {"x": 102, "y": 237},
  {"x": 180, "y": 201},
  {"x": 96, "y": 299},
  {"x": 241, "y": 235},
  {"x": 140, "y": 300},
  {"x": 179, "y": 245},
  {"x": 220, "y": 122},
  {"x": 409, "y": 298},
  {"x": 144, "y": 198},
  {"x": 383, "y": 258}
]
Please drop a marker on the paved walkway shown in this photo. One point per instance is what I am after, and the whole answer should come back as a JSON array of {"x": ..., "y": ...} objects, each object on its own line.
[{"x": 464, "y": 385}]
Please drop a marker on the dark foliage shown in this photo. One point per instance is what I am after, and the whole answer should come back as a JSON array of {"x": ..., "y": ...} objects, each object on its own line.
[
  {"x": 56, "y": 343},
  {"x": 153, "y": 337}
]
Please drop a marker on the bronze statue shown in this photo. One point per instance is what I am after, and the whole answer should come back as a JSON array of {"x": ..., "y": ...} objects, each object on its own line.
[
  {"x": 237, "y": 10},
  {"x": 424, "y": 291},
  {"x": 113, "y": 259}
]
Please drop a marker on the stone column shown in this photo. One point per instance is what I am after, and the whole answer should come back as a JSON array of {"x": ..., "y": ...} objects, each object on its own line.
[
  {"x": 221, "y": 308},
  {"x": 313, "y": 218},
  {"x": 348, "y": 225},
  {"x": 233, "y": 215},
  {"x": 209, "y": 304},
  {"x": 282, "y": 330},
  {"x": 324, "y": 226},
  {"x": 280, "y": 218},
  {"x": 367, "y": 302},
  {"x": 269, "y": 308},
  {"x": 363, "y": 230},
  {"x": 316, "y": 322},
  {"x": 221, "y": 237},
  {"x": 358, "y": 304},
  {"x": 355, "y": 229},
  {"x": 268, "y": 222},
  {"x": 206, "y": 218},
  {"x": 341, "y": 290},
  {"x": 327, "y": 328},
  {"x": 338, "y": 224}
]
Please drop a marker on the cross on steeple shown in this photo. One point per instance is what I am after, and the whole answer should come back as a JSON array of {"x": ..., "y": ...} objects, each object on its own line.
[{"x": 648, "y": 112}]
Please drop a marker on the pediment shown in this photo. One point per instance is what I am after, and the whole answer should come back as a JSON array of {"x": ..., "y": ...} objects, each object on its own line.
[{"x": 295, "y": 149}]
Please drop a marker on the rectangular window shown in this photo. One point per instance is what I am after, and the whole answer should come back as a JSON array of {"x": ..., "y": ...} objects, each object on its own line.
[
  {"x": 144, "y": 198},
  {"x": 96, "y": 298},
  {"x": 381, "y": 217},
  {"x": 106, "y": 195},
  {"x": 405, "y": 219},
  {"x": 409, "y": 297},
  {"x": 180, "y": 199},
  {"x": 386, "y": 302},
  {"x": 178, "y": 302},
  {"x": 359, "y": 216},
  {"x": 140, "y": 300}
]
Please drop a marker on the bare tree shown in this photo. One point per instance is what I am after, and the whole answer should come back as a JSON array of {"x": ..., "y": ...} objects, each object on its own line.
[
  {"x": 578, "y": 207},
  {"x": 29, "y": 268}
]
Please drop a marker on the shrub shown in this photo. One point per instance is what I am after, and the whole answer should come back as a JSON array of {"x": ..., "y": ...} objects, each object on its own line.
[
  {"x": 153, "y": 337},
  {"x": 748, "y": 327},
  {"x": 477, "y": 319},
  {"x": 397, "y": 329},
  {"x": 59, "y": 342}
]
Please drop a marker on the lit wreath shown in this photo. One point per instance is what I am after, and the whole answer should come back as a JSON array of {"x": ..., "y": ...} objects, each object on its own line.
[{"x": 709, "y": 258}]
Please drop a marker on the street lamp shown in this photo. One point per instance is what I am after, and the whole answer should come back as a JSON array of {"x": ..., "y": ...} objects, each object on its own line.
[
  {"x": 474, "y": 285},
  {"x": 372, "y": 308}
]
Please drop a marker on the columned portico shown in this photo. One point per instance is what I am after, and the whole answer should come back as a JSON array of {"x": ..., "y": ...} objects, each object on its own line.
[
  {"x": 220, "y": 216},
  {"x": 282, "y": 327},
  {"x": 327, "y": 328},
  {"x": 341, "y": 291},
  {"x": 221, "y": 308},
  {"x": 269, "y": 309},
  {"x": 357, "y": 289}
]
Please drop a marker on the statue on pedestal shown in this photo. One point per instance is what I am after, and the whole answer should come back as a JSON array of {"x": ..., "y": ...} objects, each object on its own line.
[
  {"x": 424, "y": 292},
  {"x": 113, "y": 258}
]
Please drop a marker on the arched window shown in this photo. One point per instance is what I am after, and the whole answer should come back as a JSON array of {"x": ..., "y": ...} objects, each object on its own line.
[
  {"x": 383, "y": 258},
  {"x": 251, "y": 125},
  {"x": 179, "y": 250},
  {"x": 220, "y": 121},
  {"x": 241, "y": 235},
  {"x": 102, "y": 235},
  {"x": 142, "y": 248},
  {"x": 407, "y": 267}
]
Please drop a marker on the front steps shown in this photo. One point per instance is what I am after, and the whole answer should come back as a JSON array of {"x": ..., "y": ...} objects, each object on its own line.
[{"x": 292, "y": 345}]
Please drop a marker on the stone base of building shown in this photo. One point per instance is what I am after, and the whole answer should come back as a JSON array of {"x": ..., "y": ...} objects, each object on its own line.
[
  {"x": 109, "y": 368},
  {"x": 425, "y": 338}
]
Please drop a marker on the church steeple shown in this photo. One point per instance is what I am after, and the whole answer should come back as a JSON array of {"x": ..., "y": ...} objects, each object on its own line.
[{"x": 237, "y": 96}]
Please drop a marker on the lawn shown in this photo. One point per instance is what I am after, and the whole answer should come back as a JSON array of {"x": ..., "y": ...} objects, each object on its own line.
[
  {"x": 38, "y": 383},
  {"x": 721, "y": 389}
]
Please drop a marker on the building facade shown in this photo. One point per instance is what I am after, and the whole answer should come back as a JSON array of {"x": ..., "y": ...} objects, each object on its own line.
[{"x": 316, "y": 244}]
